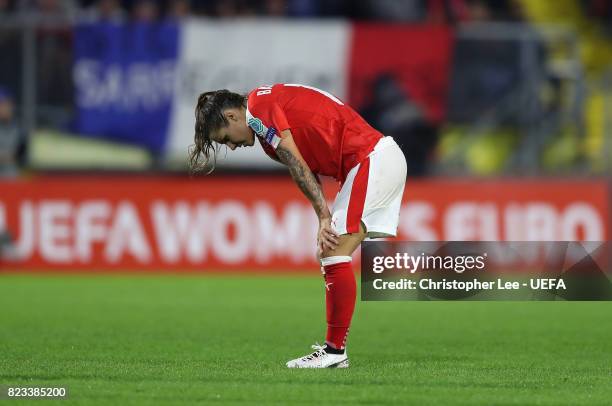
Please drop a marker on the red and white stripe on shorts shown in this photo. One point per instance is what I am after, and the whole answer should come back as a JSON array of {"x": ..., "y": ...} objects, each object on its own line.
[
  {"x": 358, "y": 197},
  {"x": 372, "y": 193}
]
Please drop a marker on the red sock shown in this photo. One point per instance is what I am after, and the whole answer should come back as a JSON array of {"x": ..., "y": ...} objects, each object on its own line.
[{"x": 340, "y": 295}]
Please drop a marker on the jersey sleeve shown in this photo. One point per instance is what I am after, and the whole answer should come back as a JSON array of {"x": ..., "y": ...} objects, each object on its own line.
[{"x": 267, "y": 119}]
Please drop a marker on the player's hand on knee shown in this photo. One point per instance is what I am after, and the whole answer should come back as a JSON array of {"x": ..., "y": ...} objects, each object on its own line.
[{"x": 327, "y": 238}]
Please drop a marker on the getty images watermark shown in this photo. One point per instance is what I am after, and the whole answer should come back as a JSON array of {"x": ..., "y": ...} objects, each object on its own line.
[{"x": 486, "y": 271}]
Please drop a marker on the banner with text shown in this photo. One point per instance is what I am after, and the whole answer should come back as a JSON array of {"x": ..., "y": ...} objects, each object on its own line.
[
  {"x": 261, "y": 223},
  {"x": 124, "y": 77},
  {"x": 139, "y": 82}
]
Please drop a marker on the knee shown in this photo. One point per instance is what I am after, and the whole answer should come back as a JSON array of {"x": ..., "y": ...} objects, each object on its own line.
[
  {"x": 326, "y": 253},
  {"x": 340, "y": 250},
  {"x": 348, "y": 244}
]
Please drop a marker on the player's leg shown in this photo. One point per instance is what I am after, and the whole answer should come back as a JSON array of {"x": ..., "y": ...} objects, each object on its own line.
[
  {"x": 340, "y": 296},
  {"x": 340, "y": 288},
  {"x": 368, "y": 204},
  {"x": 347, "y": 243}
]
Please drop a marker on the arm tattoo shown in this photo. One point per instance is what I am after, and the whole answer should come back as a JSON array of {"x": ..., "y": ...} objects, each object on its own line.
[{"x": 306, "y": 181}]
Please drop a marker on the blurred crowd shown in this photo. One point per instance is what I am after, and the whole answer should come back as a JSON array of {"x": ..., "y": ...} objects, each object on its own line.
[
  {"x": 490, "y": 72},
  {"x": 432, "y": 11},
  {"x": 414, "y": 11},
  {"x": 599, "y": 11}
]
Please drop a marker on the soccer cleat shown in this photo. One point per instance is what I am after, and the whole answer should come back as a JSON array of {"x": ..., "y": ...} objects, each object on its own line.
[{"x": 320, "y": 359}]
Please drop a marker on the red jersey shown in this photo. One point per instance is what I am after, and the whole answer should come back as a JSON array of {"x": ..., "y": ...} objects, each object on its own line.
[{"x": 330, "y": 135}]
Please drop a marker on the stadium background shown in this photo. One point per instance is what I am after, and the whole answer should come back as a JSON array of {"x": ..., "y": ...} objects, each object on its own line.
[{"x": 501, "y": 107}]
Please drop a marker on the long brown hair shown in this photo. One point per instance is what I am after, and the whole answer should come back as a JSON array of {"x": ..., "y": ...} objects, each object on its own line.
[{"x": 208, "y": 118}]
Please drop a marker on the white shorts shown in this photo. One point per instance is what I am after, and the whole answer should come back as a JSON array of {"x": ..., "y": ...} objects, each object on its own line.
[{"x": 372, "y": 193}]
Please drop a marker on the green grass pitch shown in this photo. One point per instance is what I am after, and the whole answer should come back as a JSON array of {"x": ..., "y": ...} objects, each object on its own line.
[{"x": 224, "y": 340}]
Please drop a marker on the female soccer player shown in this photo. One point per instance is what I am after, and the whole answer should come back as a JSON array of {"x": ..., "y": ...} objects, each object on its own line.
[{"x": 314, "y": 133}]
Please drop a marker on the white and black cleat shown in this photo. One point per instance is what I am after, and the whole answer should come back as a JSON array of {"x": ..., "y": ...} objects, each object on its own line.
[{"x": 320, "y": 359}]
